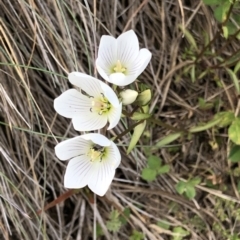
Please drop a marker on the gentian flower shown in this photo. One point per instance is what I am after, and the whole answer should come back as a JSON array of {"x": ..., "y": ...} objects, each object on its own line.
[
  {"x": 94, "y": 159},
  {"x": 93, "y": 109},
  {"x": 119, "y": 60}
]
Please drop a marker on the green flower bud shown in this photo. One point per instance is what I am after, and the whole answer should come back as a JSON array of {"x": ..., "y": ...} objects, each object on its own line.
[{"x": 144, "y": 97}]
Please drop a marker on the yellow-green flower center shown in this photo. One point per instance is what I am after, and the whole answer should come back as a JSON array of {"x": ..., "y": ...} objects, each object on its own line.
[
  {"x": 100, "y": 105},
  {"x": 119, "y": 68},
  {"x": 96, "y": 153}
]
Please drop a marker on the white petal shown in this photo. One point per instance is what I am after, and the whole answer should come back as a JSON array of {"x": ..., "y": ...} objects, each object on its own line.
[
  {"x": 138, "y": 66},
  {"x": 78, "y": 172},
  {"x": 103, "y": 71},
  {"x": 107, "y": 54},
  {"x": 87, "y": 83},
  {"x": 110, "y": 94},
  {"x": 72, "y": 103},
  {"x": 120, "y": 79},
  {"x": 97, "y": 139},
  {"x": 114, "y": 154},
  {"x": 89, "y": 121},
  {"x": 102, "y": 176},
  {"x": 71, "y": 148},
  {"x": 114, "y": 116},
  {"x": 127, "y": 47}
]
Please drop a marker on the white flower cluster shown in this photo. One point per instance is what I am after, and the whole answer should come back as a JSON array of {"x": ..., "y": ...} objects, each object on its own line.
[{"x": 94, "y": 158}]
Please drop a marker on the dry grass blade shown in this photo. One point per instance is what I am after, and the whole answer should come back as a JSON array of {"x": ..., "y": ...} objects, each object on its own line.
[{"x": 40, "y": 43}]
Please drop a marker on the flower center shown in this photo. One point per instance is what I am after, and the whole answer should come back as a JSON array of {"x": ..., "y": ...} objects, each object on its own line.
[
  {"x": 100, "y": 105},
  {"x": 96, "y": 153},
  {"x": 119, "y": 68}
]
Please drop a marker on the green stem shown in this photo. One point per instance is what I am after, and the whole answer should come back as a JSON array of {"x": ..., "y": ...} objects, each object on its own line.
[
  {"x": 227, "y": 42},
  {"x": 216, "y": 35},
  {"x": 127, "y": 130},
  {"x": 235, "y": 53},
  {"x": 165, "y": 125}
]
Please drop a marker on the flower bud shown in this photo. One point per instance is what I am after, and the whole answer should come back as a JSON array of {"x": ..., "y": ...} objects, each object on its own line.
[
  {"x": 128, "y": 96},
  {"x": 144, "y": 98}
]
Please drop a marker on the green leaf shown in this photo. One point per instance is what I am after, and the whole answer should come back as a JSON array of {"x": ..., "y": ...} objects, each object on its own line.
[
  {"x": 140, "y": 116},
  {"x": 237, "y": 67},
  {"x": 99, "y": 231},
  {"x": 114, "y": 224},
  {"x": 211, "y": 2},
  {"x": 231, "y": 28},
  {"x": 114, "y": 214},
  {"x": 234, "y": 131},
  {"x": 225, "y": 31},
  {"x": 204, "y": 105},
  {"x": 142, "y": 86},
  {"x": 180, "y": 233},
  {"x": 149, "y": 174},
  {"x": 163, "y": 224},
  {"x": 221, "y": 11},
  {"x": 204, "y": 127},
  {"x": 181, "y": 187},
  {"x": 154, "y": 162},
  {"x": 164, "y": 169},
  {"x": 226, "y": 118},
  {"x": 137, "y": 132},
  {"x": 168, "y": 139},
  {"x": 234, "y": 79},
  {"x": 234, "y": 154},
  {"x": 189, "y": 37},
  {"x": 125, "y": 216},
  {"x": 190, "y": 192},
  {"x": 192, "y": 74},
  {"x": 203, "y": 74},
  {"x": 136, "y": 235},
  {"x": 195, "y": 181}
]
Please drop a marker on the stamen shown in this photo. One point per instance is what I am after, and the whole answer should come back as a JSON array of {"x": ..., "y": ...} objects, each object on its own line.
[
  {"x": 100, "y": 105},
  {"x": 96, "y": 153},
  {"x": 119, "y": 68}
]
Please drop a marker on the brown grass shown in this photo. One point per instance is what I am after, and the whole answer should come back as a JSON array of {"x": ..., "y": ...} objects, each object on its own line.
[{"x": 41, "y": 42}]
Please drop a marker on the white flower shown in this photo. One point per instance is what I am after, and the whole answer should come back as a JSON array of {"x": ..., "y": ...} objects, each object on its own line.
[
  {"x": 94, "y": 159},
  {"x": 90, "y": 111},
  {"x": 119, "y": 60},
  {"x": 128, "y": 96}
]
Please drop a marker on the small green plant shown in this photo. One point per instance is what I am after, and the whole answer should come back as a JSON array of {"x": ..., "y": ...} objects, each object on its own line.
[
  {"x": 114, "y": 223},
  {"x": 154, "y": 168},
  {"x": 99, "y": 231},
  {"x": 204, "y": 105},
  {"x": 136, "y": 235},
  {"x": 223, "y": 10},
  {"x": 226, "y": 210},
  {"x": 188, "y": 188},
  {"x": 180, "y": 233},
  {"x": 125, "y": 216},
  {"x": 117, "y": 220},
  {"x": 222, "y": 120}
]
